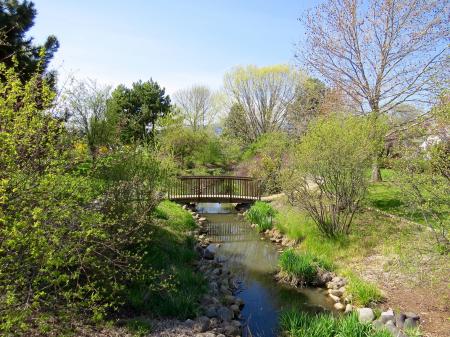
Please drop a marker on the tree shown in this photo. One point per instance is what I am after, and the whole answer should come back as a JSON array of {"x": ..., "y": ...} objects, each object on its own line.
[
  {"x": 264, "y": 94},
  {"x": 197, "y": 106},
  {"x": 381, "y": 53},
  {"x": 16, "y": 19},
  {"x": 86, "y": 102},
  {"x": 307, "y": 105},
  {"x": 139, "y": 109},
  {"x": 327, "y": 172},
  {"x": 235, "y": 124}
]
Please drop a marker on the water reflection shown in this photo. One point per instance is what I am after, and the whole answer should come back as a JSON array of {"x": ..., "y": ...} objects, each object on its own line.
[{"x": 254, "y": 261}]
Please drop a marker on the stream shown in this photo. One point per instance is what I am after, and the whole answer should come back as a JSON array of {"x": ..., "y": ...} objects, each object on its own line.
[{"x": 254, "y": 262}]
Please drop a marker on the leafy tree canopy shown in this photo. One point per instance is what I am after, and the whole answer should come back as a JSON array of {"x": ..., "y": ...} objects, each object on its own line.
[{"x": 139, "y": 108}]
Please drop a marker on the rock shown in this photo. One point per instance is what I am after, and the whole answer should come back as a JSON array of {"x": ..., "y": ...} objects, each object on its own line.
[
  {"x": 210, "y": 252},
  {"x": 236, "y": 323},
  {"x": 217, "y": 271},
  {"x": 410, "y": 323},
  {"x": 225, "y": 290},
  {"x": 348, "y": 308},
  {"x": 387, "y": 316},
  {"x": 336, "y": 292},
  {"x": 235, "y": 309},
  {"x": 390, "y": 326},
  {"x": 202, "y": 219},
  {"x": 400, "y": 320},
  {"x": 239, "y": 301},
  {"x": 231, "y": 330},
  {"x": 202, "y": 324},
  {"x": 365, "y": 315},
  {"x": 225, "y": 314},
  {"x": 378, "y": 324},
  {"x": 322, "y": 278},
  {"x": 189, "y": 323},
  {"x": 211, "y": 312},
  {"x": 229, "y": 299},
  {"x": 334, "y": 298},
  {"x": 339, "y": 306},
  {"x": 205, "y": 334}
]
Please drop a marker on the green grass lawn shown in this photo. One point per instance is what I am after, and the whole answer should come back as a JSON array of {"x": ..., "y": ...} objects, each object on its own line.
[{"x": 389, "y": 197}]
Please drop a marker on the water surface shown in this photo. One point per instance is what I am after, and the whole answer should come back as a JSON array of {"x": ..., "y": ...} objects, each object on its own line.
[{"x": 254, "y": 261}]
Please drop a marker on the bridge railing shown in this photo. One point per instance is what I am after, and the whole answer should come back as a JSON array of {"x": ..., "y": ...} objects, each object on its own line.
[{"x": 204, "y": 188}]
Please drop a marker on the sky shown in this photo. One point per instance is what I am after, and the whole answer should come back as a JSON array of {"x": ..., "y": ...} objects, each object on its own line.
[{"x": 177, "y": 43}]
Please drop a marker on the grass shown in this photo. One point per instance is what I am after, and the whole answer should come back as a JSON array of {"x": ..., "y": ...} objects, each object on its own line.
[
  {"x": 176, "y": 288},
  {"x": 177, "y": 218},
  {"x": 261, "y": 214},
  {"x": 302, "y": 266},
  {"x": 388, "y": 196},
  {"x": 363, "y": 293},
  {"x": 299, "y": 324}
]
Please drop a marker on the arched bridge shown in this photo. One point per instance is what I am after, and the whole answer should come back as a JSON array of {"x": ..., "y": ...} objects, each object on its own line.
[{"x": 215, "y": 189}]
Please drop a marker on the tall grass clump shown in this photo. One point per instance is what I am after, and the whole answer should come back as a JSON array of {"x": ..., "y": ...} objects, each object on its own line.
[
  {"x": 300, "y": 268},
  {"x": 294, "y": 323},
  {"x": 261, "y": 214},
  {"x": 362, "y": 292}
]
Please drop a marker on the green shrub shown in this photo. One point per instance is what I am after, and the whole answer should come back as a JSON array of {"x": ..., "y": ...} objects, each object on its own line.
[
  {"x": 363, "y": 293},
  {"x": 261, "y": 214},
  {"x": 327, "y": 172},
  {"x": 303, "y": 267}
]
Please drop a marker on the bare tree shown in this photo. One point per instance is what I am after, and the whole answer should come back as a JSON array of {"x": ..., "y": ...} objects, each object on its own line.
[
  {"x": 197, "y": 106},
  {"x": 265, "y": 95},
  {"x": 86, "y": 105},
  {"x": 381, "y": 53}
]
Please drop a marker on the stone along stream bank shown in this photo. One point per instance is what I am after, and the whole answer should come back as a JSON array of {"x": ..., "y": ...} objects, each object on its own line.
[{"x": 244, "y": 299}]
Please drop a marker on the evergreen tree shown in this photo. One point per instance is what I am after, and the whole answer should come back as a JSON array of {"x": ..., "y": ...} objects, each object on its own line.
[{"x": 16, "y": 19}]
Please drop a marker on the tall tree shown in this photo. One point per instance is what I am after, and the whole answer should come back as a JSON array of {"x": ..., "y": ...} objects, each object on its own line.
[
  {"x": 139, "y": 108},
  {"x": 196, "y": 105},
  {"x": 381, "y": 53},
  {"x": 264, "y": 94},
  {"x": 16, "y": 19},
  {"x": 85, "y": 103}
]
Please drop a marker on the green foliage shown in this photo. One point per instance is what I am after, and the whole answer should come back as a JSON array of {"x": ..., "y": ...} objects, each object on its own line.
[
  {"x": 363, "y": 293},
  {"x": 138, "y": 109},
  {"x": 300, "y": 324},
  {"x": 261, "y": 214},
  {"x": 177, "y": 218},
  {"x": 139, "y": 327},
  {"x": 179, "y": 288},
  {"x": 326, "y": 176},
  {"x": 425, "y": 182},
  {"x": 265, "y": 159},
  {"x": 302, "y": 266}
]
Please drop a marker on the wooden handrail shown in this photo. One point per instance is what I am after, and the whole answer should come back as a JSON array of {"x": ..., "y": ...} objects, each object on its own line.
[{"x": 215, "y": 188}]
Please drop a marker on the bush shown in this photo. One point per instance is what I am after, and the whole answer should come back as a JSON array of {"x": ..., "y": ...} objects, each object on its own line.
[
  {"x": 300, "y": 324},
  {"x": 301, "y": 268},
  {"x": 261, "y": 214},
  {"x": 326, "y": 176}
]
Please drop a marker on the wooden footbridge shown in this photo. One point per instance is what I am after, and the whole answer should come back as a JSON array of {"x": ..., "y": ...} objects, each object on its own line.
[{"x": 215, "y": 189}]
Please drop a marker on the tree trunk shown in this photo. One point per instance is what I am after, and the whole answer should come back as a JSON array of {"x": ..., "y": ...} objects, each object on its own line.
[{"x": 376, "y": 172}]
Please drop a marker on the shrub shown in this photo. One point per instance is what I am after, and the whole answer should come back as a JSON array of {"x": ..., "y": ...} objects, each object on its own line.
[
  {"x": 301, "y": 268},
  {"x": 326, "y": 176},
  {"x": 261, "y": 214}
]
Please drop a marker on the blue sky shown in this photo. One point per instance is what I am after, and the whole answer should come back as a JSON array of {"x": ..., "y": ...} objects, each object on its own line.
[{"x": 177, "y": 43}]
